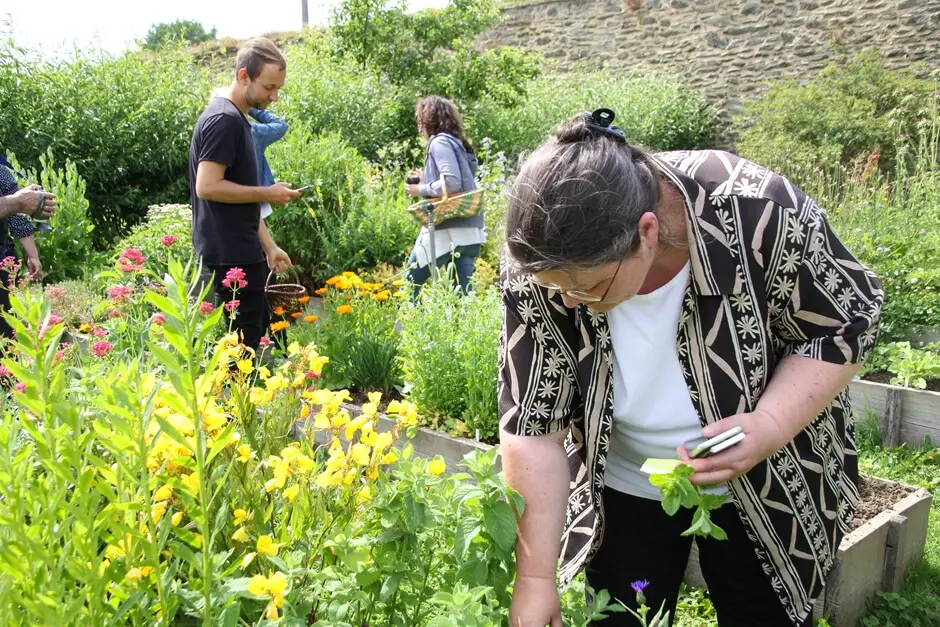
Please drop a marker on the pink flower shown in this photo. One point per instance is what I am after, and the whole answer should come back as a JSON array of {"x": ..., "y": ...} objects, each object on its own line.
[
  {"x": 169, "y": 240},
  {"x": 118, "y": 293},
  {"x": 5, "y": 372},
  {"x": 8, "y": 263},
  {"x": 159, "y": 319},
  {"x": 54, "y": 291},
  {"x": 130, "y": 268},
  {"x": 58, "y": 356},
  {"x": 206, "y": 308},
  {"x": 133, "y": 255},
  {"x": 101, "y": 348},
  {"x": 20, "y": 387},
  {"x": 54, "y": 320},
  {"x": 99, "y": 332},
  {"x": 64, "y": 346},
  {"x": 235, "y": 278},
  {"x": 232, "y": 305},
  {"x": 114, "y": 313},
  {"x": 264, "y": 342}
]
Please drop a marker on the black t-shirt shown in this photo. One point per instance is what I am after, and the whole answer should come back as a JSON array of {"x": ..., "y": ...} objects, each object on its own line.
[{"x": 225, "y": 234}]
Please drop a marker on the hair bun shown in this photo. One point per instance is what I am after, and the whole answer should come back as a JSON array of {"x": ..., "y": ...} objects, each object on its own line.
[{"x": 574, "y": 129}]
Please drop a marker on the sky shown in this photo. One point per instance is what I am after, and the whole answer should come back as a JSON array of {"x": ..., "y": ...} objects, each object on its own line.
[{"x": 53, "y": 26}]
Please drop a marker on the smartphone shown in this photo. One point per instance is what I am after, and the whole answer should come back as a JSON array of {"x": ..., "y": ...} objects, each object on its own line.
[
  {"x": 717, "y": 444},
  {"x": 304, "y": 188}
]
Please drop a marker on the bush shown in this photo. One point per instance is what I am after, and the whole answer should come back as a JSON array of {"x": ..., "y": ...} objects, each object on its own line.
[
  {"x": 125, "y": 121},
  {"x": 189, "y": 31},
  {"x": 846, "y": 112},
  {"x": 892, "y": 225},
  {"x": 656, "y": 110},
  {"x": 74, "y": 302},
  {"x": 66, "y": 251},
  {"x": 149, "y": 237},
  {"x": 449, "y": 353}
]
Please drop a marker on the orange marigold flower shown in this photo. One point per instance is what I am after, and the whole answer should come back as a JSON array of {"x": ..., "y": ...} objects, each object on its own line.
[
  {"x": 382, "y": 296},
  {"x": 321, "y": 291},
  {"x": 344, "y": 309},
  {"x": 280, "y": 325},
  {"x": 296, "y": 315},
  {"x": 278, "y": 311},
  {"x": 311, "y": 318},
  {"x": 303, "y": 300}
]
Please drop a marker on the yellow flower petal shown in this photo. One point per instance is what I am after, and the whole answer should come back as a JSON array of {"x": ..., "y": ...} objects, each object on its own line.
[
  {"x": 277, "y": 583},
  {"x": 436, "y": 467},
  {"x": 176, "y": 519},
  {"x": 266, "y": 546},
  {"x": 291, "y": 493},
  {"x": 258, "y": 585},
  {"x": 240, "y": 535}
]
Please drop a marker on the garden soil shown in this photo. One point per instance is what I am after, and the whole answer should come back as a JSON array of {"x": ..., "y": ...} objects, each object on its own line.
[
  {"x": 875, "y": 497},
  {"x": 933, "y": 385}
]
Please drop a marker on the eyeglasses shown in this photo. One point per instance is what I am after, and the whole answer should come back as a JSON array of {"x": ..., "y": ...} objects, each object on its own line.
[{"x": 583, "y": 297}]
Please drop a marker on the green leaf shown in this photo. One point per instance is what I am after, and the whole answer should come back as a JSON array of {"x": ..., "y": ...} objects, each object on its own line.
[
  {"x": 500, "y": 522},
  {"x": 229, "y": 617},
  {"x": 467, "y": 530},
  {"x": 389, "y": 586}
]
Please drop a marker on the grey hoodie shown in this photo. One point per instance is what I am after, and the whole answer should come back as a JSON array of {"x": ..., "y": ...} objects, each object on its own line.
[{"x": 446, "y": 155}]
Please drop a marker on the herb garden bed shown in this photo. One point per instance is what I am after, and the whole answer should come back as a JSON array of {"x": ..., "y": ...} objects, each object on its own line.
[
  {"x": 887, "y": 537},
  {"x": 903, "y": 414}
]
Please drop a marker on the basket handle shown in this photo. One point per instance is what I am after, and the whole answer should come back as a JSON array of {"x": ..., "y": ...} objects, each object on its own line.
[
  {"x": 443, "y": 188},
  {"x": 267, "y": 281}
]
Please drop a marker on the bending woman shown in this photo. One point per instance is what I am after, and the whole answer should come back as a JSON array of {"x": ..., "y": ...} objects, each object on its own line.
[
  {"x": 449, "y": 154},
  {"x": 651, "y": 299}
]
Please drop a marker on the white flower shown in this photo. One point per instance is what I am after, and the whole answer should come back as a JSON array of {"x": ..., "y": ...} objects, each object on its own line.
[
  {"x": 528, "y": 311},
  {"x": 756, "y": 377},
  {"x": 833, "y": 279},
  {"x": 794, "y": 233},
  {"x": 753, "y": 170},
  {"x": 547, "y": 388},
  {"x": 783, "y": 287},
  {"x": 741, "y": 302},
  {"x": 753, "y": 353},
  {"x": 846, "y": 296}
]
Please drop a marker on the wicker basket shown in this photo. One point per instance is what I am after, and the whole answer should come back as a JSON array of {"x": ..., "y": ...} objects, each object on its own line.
[{"x": 284, "y": 295}]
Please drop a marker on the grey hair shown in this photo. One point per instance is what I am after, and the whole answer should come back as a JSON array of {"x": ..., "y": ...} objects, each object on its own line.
[{"x": 577, "y": 200}]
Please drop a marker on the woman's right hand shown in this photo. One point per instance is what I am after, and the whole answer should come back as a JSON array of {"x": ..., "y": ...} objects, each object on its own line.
[
  {"x": 417, "y": 173},
  {"x": 535, "y": 602}
]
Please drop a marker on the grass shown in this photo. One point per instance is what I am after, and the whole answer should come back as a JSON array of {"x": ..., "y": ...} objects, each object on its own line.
[{"x": 918, "y": 604}]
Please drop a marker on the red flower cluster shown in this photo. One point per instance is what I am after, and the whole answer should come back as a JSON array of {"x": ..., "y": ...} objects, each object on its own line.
[
  {"x": 119, "y": 293},
  {"x": 232, "y": 305},
  {"x": 206, "y": 308},
  {"x": 131, "y": 260},
  {"x": 159, "y": 319},
  {"x": 235, "y": 279},
  {"x": 101, "y": 348},
  {"x": 169, "y": 240}
]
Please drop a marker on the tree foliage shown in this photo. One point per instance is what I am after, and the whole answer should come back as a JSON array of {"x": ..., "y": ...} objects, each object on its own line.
[{"x": 189, "y": 31}]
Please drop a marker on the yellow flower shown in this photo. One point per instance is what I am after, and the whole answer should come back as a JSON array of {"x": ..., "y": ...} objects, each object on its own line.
[
  {"x": 114, "y": 551},
  {"x": 364, "y": 495},
  {"x": 303, "y": 300},
  {"x": 436, "y": 467},
  {"x": 311, "y": 318},
  {"x": 276, "y": 383},
  {"x": 157, "y": 511},
  {"x": 245, "y": 365},
  {"x": 267, "y": 546},
  {"x": 260, "y": 397},
  {"x": 382, "y": 296},
  {"x": 163, "y": 493},
  {"x": 245, "y": 453},
  {"x": 258, "y": 585},
  {"x": 280, "y": 325},
  {"x": 344, "y": 309},
  {"x": 291, "y": 493},
  {"x": 240, "y": 535},
  {"x": 270, "y": 612},
  {"x": 264, "y": 372},
  {"x": 134, "y": 575},
  {"x": 398, "y": 282},
  {"x": 389, "y": 458},
  {"x": 176, "y": 519},
  {"x": 241, "y": 516},
  {"x": 293, "y": 348},
  {"x": 191, "y": 482},
  {"x": 360, "y": 453}
]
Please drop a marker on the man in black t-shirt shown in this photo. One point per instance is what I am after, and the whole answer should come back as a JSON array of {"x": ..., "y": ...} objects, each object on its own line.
[{"x": 225, "y": 193}]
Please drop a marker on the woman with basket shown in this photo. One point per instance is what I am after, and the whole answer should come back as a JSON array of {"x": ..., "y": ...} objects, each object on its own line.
[{"x": 449, "y": 169}]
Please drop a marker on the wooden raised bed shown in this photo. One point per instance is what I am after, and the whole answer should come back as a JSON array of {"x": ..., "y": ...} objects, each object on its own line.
[
  {"x": 874, "y": 556},
  {"x": 903, "y": 414}
]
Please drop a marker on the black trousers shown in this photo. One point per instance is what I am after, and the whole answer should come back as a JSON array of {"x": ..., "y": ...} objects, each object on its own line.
[
  {"x": 251, "y": 317},
  {"x": 642, "y": 542}
]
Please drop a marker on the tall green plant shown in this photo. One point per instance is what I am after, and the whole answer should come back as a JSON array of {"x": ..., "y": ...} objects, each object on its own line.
[
  {"x": 449, "y": 354},
  {"x": 66, "y": 251}
]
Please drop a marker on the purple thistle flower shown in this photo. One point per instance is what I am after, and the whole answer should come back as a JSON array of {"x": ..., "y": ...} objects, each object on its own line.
[{"x": 639, "y": 586}]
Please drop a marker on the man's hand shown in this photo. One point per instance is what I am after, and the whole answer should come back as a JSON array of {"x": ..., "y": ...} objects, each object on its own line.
[
  {"x": 417, "y": 173},
  {"x": 535, "y": 602},
  {"x": 35, "y": 268},
  {"x": 278, "y": 261},
  {"x": 281, "y": 193},
  {"x": 28, "y": 201},
  {"x": 764, "y": 436}
]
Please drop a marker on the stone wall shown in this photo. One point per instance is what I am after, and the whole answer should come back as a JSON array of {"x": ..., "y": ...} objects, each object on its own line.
[{"x": 729, "y": 48}]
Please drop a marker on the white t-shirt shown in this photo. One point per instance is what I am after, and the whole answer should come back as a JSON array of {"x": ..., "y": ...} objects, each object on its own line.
[{"x": 653, "y": 413}]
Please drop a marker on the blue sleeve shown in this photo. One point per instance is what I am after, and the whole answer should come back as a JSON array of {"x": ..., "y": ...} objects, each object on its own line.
[
  {"x": 21, "y": 226},
  {"x": 448, "y": 164},
  {"x": 268, "y": 129}
]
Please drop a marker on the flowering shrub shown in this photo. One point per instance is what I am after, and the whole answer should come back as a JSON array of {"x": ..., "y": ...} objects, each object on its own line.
[
  {"x": 166, "y": 231},
  {"x": 161, "y": 486},
  {"x": 357, "y": 332}
]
